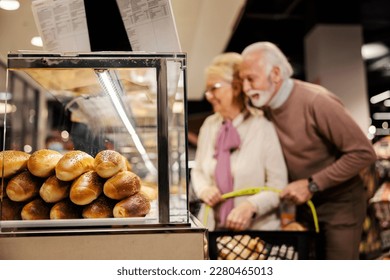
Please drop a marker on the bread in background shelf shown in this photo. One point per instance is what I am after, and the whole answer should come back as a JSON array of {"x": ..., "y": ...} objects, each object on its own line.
[
  {"x": 102, "y": 207},
  {"x": 65, "y": 209}
]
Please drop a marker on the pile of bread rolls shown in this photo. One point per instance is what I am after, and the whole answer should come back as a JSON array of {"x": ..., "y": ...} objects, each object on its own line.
[{"x": 51, "y": 185}]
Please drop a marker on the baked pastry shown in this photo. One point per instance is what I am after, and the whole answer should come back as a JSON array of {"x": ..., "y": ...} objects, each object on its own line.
[
  {"x": 294, "y": 226},
  {"x": 150, "y": 192},
  {"x": 73, "y": 164},
  {"x": 54, "y": 190},
  {"x": 86, "y": 188},
  {"x": 100, "y": 208},
  {"x": 122, "y": 185},
  {"x": 36, "y": 210},
  {"x": 108, "y": 163},
  {"x": 240, "y": 247},
  {"x": 14, "y": 162},
  {"x": 65, "y": 209},
  {"x": 23, "y": 186},
  {"x": 10, "y": 210},
  {"x": 43, "y": 162},
  {"x": 137, "y": 205}
]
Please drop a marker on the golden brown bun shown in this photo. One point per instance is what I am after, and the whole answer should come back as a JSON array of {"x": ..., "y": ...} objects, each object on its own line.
[
  {"x": 65, "y": 209},
  {"x": 54, "y": 190},
  {"x": 86, "y": 188},
  {"x": 137, "y": 205},
  {"x": 150, "y": 192},
  {"x": 100, "y": 208},
  {"x": 11, "y": 210},
  {"x": 43, "y": 162},
  {"x": 240, "y": 247},
  {"x": 128, "y": 164},
  {"x": 108, "y": 163},
  {"x": 73, "y": 164},
  {"x": 294, "y": 226},
  {"x": 122, "y": 185},
  {"x": 14, "y": 162},
  {"x": 36, "y": 210},
  {"x": 23, "y": 186}
]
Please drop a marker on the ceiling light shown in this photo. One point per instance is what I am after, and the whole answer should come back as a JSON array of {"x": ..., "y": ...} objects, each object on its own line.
[
  {"x": 374, "y": 50},
  {"x": 380, "y": 97},
  {"x": 9, "y": 5},
  {"x": 37, "y": 41}
]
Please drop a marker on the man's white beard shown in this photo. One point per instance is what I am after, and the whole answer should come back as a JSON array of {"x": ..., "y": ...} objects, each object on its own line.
[{"x": 259, "y": 98}]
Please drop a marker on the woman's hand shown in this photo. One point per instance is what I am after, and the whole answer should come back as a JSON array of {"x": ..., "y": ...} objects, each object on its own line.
[
  {"x": 211, "y": 196},
  {"x": 240, "y": 217}
]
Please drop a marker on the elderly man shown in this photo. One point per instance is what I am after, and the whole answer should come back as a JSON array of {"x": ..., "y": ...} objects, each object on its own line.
[{"x": 323, "y": 147}]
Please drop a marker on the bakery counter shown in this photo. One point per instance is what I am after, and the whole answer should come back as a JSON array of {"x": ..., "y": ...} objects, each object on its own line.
[{"x": 110, "y": 243}]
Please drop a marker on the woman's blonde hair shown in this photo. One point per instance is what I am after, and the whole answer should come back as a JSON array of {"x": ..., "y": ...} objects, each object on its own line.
[{"x": 226, "y": 66}]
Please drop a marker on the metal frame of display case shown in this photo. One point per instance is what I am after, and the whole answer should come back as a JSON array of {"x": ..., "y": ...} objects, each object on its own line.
[{"x": 104, "y": 60}]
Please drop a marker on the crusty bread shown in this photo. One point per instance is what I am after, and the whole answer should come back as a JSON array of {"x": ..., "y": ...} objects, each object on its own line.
[
  {"x": 122, "y": 185},
  {"x": 10, "y": 210},
  {"x": 23, "y": 186},
  {"x": 294, "y": 226},
  {"x": 100, "y": 208},
  {"x": 36, "y": 210},
  {"x": 43, "y": 162},
  {"x": 65, "y": 209},
  {"x": 73, "y": 164},
  {"x": 240, "y": 247},
  {"x": 14, "y": 162},
  {"x": 137, "y": 205},
  {"x": 86, "y": 188},
  {"x": 150, "y": 192},
  {"x": 108, "y": 163},
  {"x": 54, "y": 190}
]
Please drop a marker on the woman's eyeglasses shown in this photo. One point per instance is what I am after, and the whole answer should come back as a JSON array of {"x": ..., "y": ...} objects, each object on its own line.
[{"x": 210, "y": 90}]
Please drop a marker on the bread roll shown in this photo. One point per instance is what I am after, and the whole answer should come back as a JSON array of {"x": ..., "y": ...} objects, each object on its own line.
[
  {"x": 73, "y": 164},
  {"x": 65, "y": 209},
  {"x": 240, "y": 247},
  {"x": 54, "y": 190},
  {"x": 10, "y": 210},
  {"x": 122, "y": 185},
  {"x": 294, "y": 226},
  {"x": 43, "y": 162},
  {"x": 150, "y": 192},
  {"x": 86, "y": 188},
  {"x": 137, "y": 205},
  {"x": 14, "y": 162},
  {"x": 36, "y": 210},
  {"x": 23, "y": 186},
  {"x": 108, "y": 163},
  {"x": 102, "y": 207}
]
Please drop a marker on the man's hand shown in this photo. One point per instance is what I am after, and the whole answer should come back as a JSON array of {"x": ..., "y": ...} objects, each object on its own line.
[
  {"x": 241, "y": 216},
  {"x": 297, "y": 192},
  {"x": 211, "y": 196}
]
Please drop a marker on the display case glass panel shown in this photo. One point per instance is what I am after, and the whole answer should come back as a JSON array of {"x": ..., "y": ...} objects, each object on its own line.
[{"x": 98, "y": 105}]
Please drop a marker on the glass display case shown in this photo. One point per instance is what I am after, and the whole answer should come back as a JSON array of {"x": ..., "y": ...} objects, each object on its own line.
[{"x": 115, "y": 127}]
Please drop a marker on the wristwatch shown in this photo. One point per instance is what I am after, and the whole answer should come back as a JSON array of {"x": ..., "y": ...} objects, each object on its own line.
[{"x": 313, "y": 187}]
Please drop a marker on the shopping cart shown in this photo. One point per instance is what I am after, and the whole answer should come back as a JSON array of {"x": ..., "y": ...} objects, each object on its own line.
[{"x": 264, "y": 245}]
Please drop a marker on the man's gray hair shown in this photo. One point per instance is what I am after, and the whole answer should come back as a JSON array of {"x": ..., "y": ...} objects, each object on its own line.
[{"x": 273, "y": 56}]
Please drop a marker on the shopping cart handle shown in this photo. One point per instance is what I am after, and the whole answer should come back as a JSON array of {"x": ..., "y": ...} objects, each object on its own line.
[{"x": 255, "y": 190}]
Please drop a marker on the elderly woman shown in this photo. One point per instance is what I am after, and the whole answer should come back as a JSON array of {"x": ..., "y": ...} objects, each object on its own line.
[{"x": 237, "y": 149}]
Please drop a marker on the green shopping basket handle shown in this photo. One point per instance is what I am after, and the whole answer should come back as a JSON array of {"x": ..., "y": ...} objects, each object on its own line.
[{"x": 255, "y": 190}]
